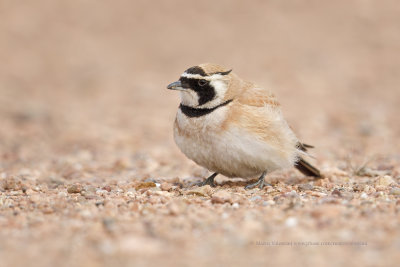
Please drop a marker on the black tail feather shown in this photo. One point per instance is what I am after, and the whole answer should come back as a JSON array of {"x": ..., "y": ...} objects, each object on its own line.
[{"x": 307, "y": 169}]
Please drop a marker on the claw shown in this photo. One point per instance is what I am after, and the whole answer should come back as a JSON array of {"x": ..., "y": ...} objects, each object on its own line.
[
  {"x": 260, "y": 183},
  {"x": 209, "y": 181}
]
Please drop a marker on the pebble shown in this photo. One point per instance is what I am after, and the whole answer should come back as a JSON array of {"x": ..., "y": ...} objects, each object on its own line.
[
  {"x": 29, "y": 192},
  {"x": 342, "y": 194},
  {"x": 221, "y": 197},
  {"x": 336, "y": 192},
  {"x": 35, "y": 198},
  {"x": 291, "y": 194},
  {"x": 62, "y": 194},
  {"x": 304, "y": 187},
  {"x": 165, "y": 186},
  {"x": 291, "y": 222},
  {"x": 136, "y": 206},
  {"x": 395, "y": 191},
  {"x": 358, "y": 187},
  {"x": 107, "y": 188},
  {"x": 384, "y": 181},
  {"x": 268, "y": 203},
  {"x": 329, "y": 200},
  {"x": 235, "y": 205},
  {"x": 14, "y": 193},
  {"x": 89, "y": 188},
  {"x": 364, "y": 195},
  {"x": 154, "y": 189},
  {"x": 101, "y": 192},
  {"x": 255, "y": 198},
  {"x": 10, "y": 184},
  {"x": 318, "y": 194},
  {"x": 89, "y": 195},
  {"x": 174, "y": 208},
  {"x": 75, "y": 188},
  {"x": 202, "y": 191},
  {"x": 224, "y": 215},
  {"x": 145, "y": 185}
]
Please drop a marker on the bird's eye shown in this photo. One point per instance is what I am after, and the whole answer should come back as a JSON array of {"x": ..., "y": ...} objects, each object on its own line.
[{"x": 202, "y": 82}]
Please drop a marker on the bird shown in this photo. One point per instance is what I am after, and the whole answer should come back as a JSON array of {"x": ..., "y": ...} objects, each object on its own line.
[{"x": 234, "y": 127}]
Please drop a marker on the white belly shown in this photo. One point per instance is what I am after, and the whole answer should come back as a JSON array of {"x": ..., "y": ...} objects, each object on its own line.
[{"x": 232, "y": 152}]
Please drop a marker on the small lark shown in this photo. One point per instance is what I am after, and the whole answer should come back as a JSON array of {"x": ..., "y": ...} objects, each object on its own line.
[{"x": 234, "y": 127}]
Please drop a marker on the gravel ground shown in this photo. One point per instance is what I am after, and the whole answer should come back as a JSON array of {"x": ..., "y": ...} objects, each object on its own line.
[{"x": 89, "y": 173}]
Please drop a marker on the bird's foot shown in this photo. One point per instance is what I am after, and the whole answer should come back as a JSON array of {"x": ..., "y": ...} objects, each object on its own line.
[
  {"x": 260, "y": 183},
  {"x": 209, "y": 181}
]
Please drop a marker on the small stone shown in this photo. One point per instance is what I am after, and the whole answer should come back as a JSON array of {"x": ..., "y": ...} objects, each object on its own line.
[
  {"x": 268, "y": 203},
  {"x": 62, "y": 194},
  {"x": 135, "y": 206},
  {"x": 145, "y": 185},
  {"x": 52, "y": 182},
  {"x": 89, "y": 195},
  {"x": 291, "y": 222},
  {"x": 395, "y": 191},
  {"x": 47, "y": 210},
  {"x": 174, "y": 208},
  {"x": 35, "y": 198},
  {"x": 347, "y": 195},
  {"x": 364, "y": 195},
  {"x": 358, "y": 187},
  {"x": 153, "y": 200},
  {"x": 107, "y": 188},
  {"x": 29, "y": 192},
  {"x": 235, "y": 205},
  {"x": 384, "y": 181},
  {"x": 10, "y": 184},
  {"x": 291, "y": 194},
  {"x": 165, "y": 186},
  {"x": 101, "y": 192},
  {"x": 15, "y": 193},
  {"x": 336, "y": 192},
  {"x": 75, "y": 188},
  {"x": 318, "y": 194},
  {"x": 304, "y": 187},
  {"x": 89, "y": 188},
  {"x": 100, "y": 203},
  {"x": 202, "y": 191},
  {"x": 130, "y": 193},
  {"x": 380, "y": 188},
  {"x": 151, "y": 180},
  {"x": 328, "y": 200},
  {"x": 221, "y": 197},
  {"x": 255, "y": 198},
  {"x": 154, "y": 189}
]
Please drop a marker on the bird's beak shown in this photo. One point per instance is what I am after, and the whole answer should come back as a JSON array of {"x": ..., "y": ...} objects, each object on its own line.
[{"x": 175, "y": 86}]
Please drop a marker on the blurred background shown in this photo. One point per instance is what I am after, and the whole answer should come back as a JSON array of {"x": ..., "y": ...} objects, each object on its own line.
[
  {"x": 92, "y": 75},
  {"x": 83, "y": 83}
]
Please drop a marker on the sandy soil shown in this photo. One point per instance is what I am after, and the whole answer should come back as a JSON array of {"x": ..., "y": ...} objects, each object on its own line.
[{"x": 89, "y": 173}]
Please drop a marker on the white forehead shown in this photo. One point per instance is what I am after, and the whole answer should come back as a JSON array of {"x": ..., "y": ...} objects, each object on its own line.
[{"x": 213, "y": 77}]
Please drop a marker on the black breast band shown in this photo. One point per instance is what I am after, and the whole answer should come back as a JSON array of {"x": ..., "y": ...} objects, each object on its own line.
[{"x": 198, "y": 112}]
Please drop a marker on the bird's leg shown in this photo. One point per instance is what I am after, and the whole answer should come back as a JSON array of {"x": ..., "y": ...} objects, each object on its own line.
[
  {"x": 260, "y": 183},
  {"x": 209, "y": 181}
]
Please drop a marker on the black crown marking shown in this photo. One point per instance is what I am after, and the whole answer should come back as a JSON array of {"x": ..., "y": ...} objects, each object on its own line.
[
  {"x": 196, "y": 70},
  {"x": 201, "y": 72}
]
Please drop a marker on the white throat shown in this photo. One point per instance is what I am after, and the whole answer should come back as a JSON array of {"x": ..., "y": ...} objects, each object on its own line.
[{"x": 189, "y": 98}]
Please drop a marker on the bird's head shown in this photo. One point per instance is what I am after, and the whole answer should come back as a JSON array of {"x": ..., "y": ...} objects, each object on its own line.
[{"x": 203, "y": 86}]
